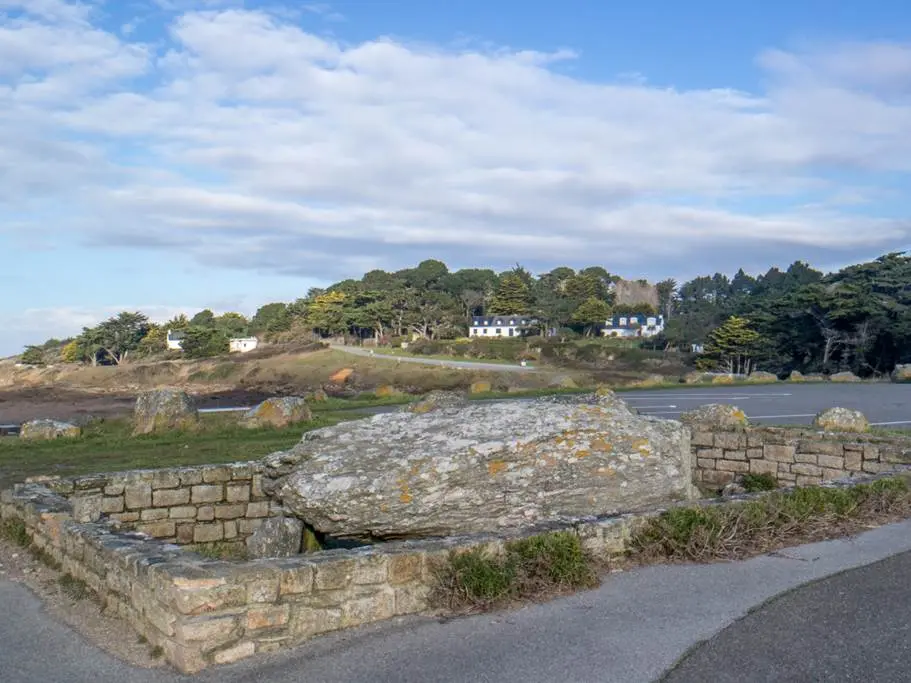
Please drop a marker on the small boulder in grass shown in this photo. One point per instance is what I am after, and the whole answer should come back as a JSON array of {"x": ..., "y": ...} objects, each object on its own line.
[
  {"x": 437, "y": 400},
  {"x": 715, "y": 415},
  {"x": 48, "y": 429},
  {"x": 842, "y": 420},
  {"x": 278, "y": 412},
  {"x": 164, "y": 410}
]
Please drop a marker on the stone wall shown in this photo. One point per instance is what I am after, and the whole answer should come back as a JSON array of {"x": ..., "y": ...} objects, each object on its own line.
[
  {"x": 204, "y": 612},
  {"x": 794, "y": 456},
  {"x": 180, "y": 505}
]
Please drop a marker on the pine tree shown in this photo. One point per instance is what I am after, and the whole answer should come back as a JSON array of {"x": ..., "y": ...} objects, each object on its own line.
[
  {"x": 513, "y": 296},
  {"x": 732, "y": 345},
  {"x": 591, "y": 313}
]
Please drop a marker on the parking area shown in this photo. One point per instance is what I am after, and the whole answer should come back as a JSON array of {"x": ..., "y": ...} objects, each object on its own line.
[{"x": 884, "y": 404}]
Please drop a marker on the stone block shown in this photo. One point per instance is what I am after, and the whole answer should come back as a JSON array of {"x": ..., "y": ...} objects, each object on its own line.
[
  {"x": 256, "y": 486},
  {"x": 190, "y": 477},
  {"x": 873, "y": 467},
  {"x": 208, "y": 493},
  {"x": 820, "y": 446},
  {"x": 112, "y": 504},
  {"x": 717, "y": 478},
  {"x": 702, "y": 438},
  {"x": 235, "y": 653},
  {"x": 157, "y": 529},
  {"x": 245, "y": 527},
  {"x": 230, "y": 511},
  {"x": 405, "y": 568},
  {"x": 182, "y": 512},
  {"x": 125, "y": 517},
  {"x": 138, "y": 496},
  {"x": 241, "y": 471},
  {"x": 806, "y": 458},
  {"x": 835, "y": 462},
  {"x": 707, "y": 463},
  {"x": 165, "y": 479},
  {"x": 263, "y": 588},
  {"x": 170, "y": 497},
  {"x": 755, "y": 453},
  {"x": 755, "y": 440},
  {"x": 371, "y": 570},
  {"x": 376, "y": 607},
  {"x": 194, "y": 596},
  {"x": 271, "y": 616},
  {"x": 713, "y": 453},
  {"x": 735, "y": 455},
  {"x": 806, "y": 470},
  {"x": 87, "y": 508},
  {"x": 730, "y": 441},
  {"x": 853, "y": 461},
  {"x": 230, "y": 529},
  {"x": 208, "y": 533},
  {"x": 310, "y": 622},
  {"x": 153, "y": 515},
  {"x": 260, "y": 509},
  {"x": 804, "y": 480},
  {"x": 205, "y": 513},
  {"x": 333, "y": 575},
  {"x": 787, "y": 477},
  {"x": 208, "y": 629},
  {"x": 411, "y": 599},
  {"x": 297, "y": 581},
  {"x": 828, "y": 474},
  {"x": 237, "y": 493},
  {"x": 113, "y": 489},
  {"x": 214, "y": 474},
  {"x": 185, "y": 533},
  {"x": 871, "y": 453},
  {"x": 733, "y": 465},
  {"x": 763, "y": 467},
  {"x": 780, "y": 453}
]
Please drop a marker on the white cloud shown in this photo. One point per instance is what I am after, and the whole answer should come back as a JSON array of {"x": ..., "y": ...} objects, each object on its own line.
[{"x": 250, "y": 142}]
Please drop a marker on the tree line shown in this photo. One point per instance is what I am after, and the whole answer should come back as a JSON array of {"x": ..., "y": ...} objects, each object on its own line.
[{"x": 797, "y": 319}]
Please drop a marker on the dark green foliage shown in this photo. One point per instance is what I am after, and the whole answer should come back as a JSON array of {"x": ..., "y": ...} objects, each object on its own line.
[
  {"x": 75, "y": 589},
  {"x": 204, "y": 342},
  {"x": 15, "y": 531},
  {"x": 527, "y": 569},
  {"x": 759, "y": 482},
  {"x": 33, "y": 355}
]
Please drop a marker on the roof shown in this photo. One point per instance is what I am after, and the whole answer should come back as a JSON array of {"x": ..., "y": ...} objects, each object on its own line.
[
  {"x": 502, "y": 320},
  {"x": 175, "y": 335}
]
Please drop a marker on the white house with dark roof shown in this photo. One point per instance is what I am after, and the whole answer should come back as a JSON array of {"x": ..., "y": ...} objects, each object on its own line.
[
  {"x": 636, "y": 325},
  {"x": 175, "y": 340},
  {"x": 501, "y": 325}
]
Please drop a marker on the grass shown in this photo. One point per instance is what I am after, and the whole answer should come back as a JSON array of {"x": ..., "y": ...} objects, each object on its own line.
[
  {"x": 403, "y": 353},
  {"x": 779, "y": 519},
  {"x": 75, "y": 589},
  {"x": 220, "y": 550},
  {"x": 108, "y": 446},
  {"x": 529, "y": 569},
  {"x": 15, "y": 531},
  {"x": 758, "y": 482}
]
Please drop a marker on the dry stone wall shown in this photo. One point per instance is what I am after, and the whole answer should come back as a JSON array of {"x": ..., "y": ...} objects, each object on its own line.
[
  {"x": 182, "y": 505},
  {"x": 794, "y": 456}
]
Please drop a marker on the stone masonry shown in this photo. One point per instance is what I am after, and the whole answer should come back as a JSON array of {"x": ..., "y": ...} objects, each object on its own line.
[
  {"x": 794, "y": 456},
  {"x": 181, "y": 505}
]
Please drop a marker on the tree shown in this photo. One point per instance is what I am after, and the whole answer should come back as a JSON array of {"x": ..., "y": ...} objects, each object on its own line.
[
  {"x": 733, "y": 345},
  {"x": 270, "y": 318},
  {"x": 154, "y": 341},
  {"x": 591, "y": 313},
  {"x": 204, "y": 342},
  {"x": 667, "y": 290},
  {"x": 33, "y": 355},
  {"x": 178, "y": 322},
  {"x": 116, "y": 337},
  {"x": 328, "y": 314},
  {"x": 204, "y": 318},
  {"x": 512, "y": 297},
  {"x": 71, "y": 352},
  {"x": 232, "y": 324}
]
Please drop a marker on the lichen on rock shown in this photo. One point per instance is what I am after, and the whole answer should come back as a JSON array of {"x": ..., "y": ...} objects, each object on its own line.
[
  {"x": 842, "y": 420},
  {"x": 164, "y": 410},
  {"x": 436, "y": 400},
  {"x": 48, "y": 429},
  {"x": 716, "y": 415},
  {"x": 278, "y": 412}
]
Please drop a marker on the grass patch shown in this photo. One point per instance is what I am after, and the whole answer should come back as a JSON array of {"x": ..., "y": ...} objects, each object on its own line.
[
  {"x": 779, "y": 519},
  {"x": 75, "y": 589},
  {"x": 754, "y": 483},
  {"x": 529, "y": 569},
  {"x": 156, "y": 652},
  {"x": 108, "y": 446},
  {"x": 15, "y": 531}
]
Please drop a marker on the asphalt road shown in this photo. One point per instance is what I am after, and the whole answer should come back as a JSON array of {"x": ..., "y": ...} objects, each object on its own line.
[
  {"x": 784, "y": 403},
  {"x": 632, "y": 629},
  {"x": 852, "y": 627}
]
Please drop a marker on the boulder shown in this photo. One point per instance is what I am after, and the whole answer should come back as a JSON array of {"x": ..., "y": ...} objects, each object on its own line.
[
  {"x": 901, "y": 373},
  {"x": 761, "y": 376},
  {"x": 481, "y": 467},
  {"x": 318, "y": 396},
  {"x": 796, "y": 376},
  {"x": 562, "y": 382},
  {"x": 715, "y": 415},
  {"x": 164, "y": 409},
  {"x": 480, "y": 388},
  {"x": 695, "y": 378},
  {"x": 276, "y": 537},
  {"x": 651, "y": 381},
  {"x": 844, "y": 377},
  {"x": 48, "y": 429},
  {"x": 842, "y": 420},
  {"x": 436, "y": 400},
  {"x": 723, "y": 379},
  {"x": 814, "y": 378},
  {"x": 278, "y": 412}
]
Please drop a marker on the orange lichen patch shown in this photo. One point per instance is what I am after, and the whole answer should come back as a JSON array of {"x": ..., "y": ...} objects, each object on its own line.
[
  {"x": 406, "y": 497},
  {"x": 600, "y": 445},
  {"x": 385, "y": 391},
  {"x": 341, "y": 376},
  {"x": 583, "y": 453},
  {"x": 643, "y": 446},
  {"x": 495, "y": 467},
  {"x": 740, "y": 415}
]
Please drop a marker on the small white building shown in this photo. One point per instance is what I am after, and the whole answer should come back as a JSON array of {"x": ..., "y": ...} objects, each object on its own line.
[
  {"x": 175, "y": 340},
  {"x": 636, "y": 325},
  {"x": 242, "y": 344},
  {"x": 501, "y": 325}
]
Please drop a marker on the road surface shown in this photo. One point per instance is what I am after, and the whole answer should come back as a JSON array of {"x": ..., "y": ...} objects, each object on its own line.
[
  {"x": 468, "y": 365},
  {"x": 633, "y": 629}
]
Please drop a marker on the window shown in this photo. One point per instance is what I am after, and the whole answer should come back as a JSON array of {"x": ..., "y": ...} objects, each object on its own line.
[
  {"x": 499, "y": 332},
  {"x": 651, "y": 321},
  {"x": 512, "y": 322},
  {"x": 622, "y": 321},
  {"x": 511, "y": 331},
  {"x": 485, "y": 330}
]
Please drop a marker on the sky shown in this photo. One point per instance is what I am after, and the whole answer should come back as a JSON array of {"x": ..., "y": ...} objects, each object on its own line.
[{"x": 174, "y": 155}]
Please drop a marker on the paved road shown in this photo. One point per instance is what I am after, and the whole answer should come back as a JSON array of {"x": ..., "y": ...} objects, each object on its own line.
[
  {"x": 631, "y": 630},
  {"x": 852, "y": 627},
  {"x": 883, "y": 404},
  {"x": 467, "y": 365}
]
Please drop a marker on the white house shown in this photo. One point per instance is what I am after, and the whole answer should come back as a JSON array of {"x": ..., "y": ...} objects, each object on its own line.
[
  {"x": 636, "y": 325},
  {"x": 175, "y": 339},
  {"x": 501, "y": 325},
  {"x": 242, "y": 344}
]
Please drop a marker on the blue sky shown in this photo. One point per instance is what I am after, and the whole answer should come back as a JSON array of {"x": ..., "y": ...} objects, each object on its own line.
[{"x": 170, "y": 155}]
